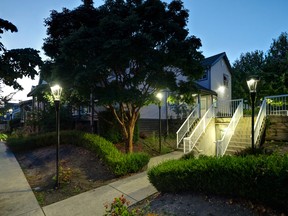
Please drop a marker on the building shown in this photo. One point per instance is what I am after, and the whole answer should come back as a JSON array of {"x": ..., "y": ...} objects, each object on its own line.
[{"x": 215, "y": 84}]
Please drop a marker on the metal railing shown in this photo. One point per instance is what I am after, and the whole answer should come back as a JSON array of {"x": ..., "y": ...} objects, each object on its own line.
[
  {"x": 277, "y": 105},
  {"x": 229, "y": 131},
  {"x": 226, "y": 108},
  {"x": 259, "y": 121},
  {"x": 187, "y": 124},
  {"x": 190, "y": 142},
  {"x": 271, "y": 105}
]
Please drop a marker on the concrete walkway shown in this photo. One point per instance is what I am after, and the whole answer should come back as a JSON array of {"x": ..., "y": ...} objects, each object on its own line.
[{"x": 17, "y": 198}]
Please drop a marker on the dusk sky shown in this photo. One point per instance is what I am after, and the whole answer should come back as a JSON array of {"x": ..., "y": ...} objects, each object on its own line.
[{"x": 231, "y": 26}]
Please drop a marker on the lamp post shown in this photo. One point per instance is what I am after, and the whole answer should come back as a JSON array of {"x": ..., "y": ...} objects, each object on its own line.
[
  {"x": 56, "y": 92},
  {"x": 252, "y": 85},
  {"x": 10, "y": 119},
  {"x": 159, "y": 96}
]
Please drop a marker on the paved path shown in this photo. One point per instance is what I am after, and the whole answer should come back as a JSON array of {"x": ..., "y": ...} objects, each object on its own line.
[{"x": 17, "y": 198}]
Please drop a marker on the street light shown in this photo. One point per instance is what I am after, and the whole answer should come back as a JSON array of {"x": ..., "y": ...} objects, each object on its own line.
[
  {"x": 56, "y": 92},
  {"x": 10, "y": 119},
  {"x": 159, "y": 96},
  {"x": 252, "y": 85}
]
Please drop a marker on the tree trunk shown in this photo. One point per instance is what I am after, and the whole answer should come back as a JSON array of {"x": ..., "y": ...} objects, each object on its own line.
[
  {"x": 127, "y": 123},
  {"x": 131, "y": 127}
]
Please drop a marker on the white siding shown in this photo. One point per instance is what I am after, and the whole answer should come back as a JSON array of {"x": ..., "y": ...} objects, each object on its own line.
[{"x": 217, "y": 83}]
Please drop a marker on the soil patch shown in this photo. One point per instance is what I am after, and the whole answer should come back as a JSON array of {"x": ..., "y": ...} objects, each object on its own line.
[
  {"x": 80, "y": 171},
  {"x": 169, "y": 204}
]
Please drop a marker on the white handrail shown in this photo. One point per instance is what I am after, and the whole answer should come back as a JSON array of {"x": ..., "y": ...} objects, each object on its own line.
[
  {"x": 223, "y": 143},
  {"x": 226, "y": 108},
  {"x": 260, "y": 118},
  {"x": 199, "y": 129},
  {"x": 277, "y": 105},
  {"x": 187, "y": 124}
]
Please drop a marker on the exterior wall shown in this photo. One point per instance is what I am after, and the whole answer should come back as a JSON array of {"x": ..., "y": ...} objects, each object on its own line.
[
  {"x": 207, "y": 141},
  {"x": 217, "y": 82},
  {"x": 205, "y": 103},
  {"x": 152, "y": 111}
]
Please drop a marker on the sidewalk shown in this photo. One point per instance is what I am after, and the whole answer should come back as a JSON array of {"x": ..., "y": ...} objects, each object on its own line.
[{"x": 17, "y": 198}]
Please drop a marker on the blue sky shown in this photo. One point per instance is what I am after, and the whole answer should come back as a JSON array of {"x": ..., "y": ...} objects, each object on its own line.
[{"x": 231, "y": 26}]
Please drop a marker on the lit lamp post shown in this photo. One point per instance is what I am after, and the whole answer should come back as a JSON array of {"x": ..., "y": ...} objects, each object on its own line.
[
  {"x": 56, "y": 92},
  {"x": 159, "y": 96},
  {"x": 252, "y": 85},
  {"x": 10, "y": 119}
]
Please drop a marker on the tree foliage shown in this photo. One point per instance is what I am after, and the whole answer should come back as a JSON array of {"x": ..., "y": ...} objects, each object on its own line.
[
  {"x": 248, "y": 64},
  {"x": 16, "y": 63},
  {"x": 276, "y": 68},
  {"x": 271, "y": 68},
  {"x": 123, "y": 52}
]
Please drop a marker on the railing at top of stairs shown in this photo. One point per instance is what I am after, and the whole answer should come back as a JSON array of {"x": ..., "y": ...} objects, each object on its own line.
[
  {"x": 271, "y": 105},
  {"x": 229, "y": 131},
  {"x": 188, "y": 123},
  {"x": 190, "y": 142},
  {"x": 277, "y": 105},
  {"x": 259, "y": 121}
]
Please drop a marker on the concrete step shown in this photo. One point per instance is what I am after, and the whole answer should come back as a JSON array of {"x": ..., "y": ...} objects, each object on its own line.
[
  {"x": 240, "y": 140},
  {"x": 233, "y": 147}
]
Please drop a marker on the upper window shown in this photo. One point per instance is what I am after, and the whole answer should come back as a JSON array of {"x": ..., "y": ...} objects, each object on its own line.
[
  {"x": 205, "y": 75},
  {"x": 226, "y": 80}
]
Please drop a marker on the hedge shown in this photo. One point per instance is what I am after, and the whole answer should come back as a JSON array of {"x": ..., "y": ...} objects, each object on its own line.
[
  {"x": 262, "y": 178},
  {"x": 119, "y": 163}
]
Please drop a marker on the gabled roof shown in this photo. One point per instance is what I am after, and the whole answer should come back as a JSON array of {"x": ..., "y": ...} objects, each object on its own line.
[{"x": 210, "y": 61}]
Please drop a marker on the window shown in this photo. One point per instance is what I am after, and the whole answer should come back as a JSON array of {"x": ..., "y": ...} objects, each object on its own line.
[
  {"x": 225, "y": 80},
  {"x": 205, "y": 75}
]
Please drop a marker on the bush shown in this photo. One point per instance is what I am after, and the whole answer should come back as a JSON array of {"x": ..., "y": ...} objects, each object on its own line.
[
  {"x": 119, "y": 163},
  {"x": 263, "y": 178}
]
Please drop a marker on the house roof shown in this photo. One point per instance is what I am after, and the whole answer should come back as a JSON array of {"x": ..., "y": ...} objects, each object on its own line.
[
  {"x": 37, "y": 89},
  {"x": 212, "y": 60},
  {"x": 205, "y": 91}
]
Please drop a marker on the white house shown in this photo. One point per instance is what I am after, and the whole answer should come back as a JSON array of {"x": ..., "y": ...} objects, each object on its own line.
[
  {"x": 215, "y": 84},
  {"x": 217, "y": 76}
]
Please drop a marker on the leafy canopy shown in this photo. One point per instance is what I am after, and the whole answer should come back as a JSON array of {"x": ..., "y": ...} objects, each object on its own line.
[
  {"x": 16, "y": 63},
  {"x": 122, "y": 52},
  {"x": 271, "y": 68}
]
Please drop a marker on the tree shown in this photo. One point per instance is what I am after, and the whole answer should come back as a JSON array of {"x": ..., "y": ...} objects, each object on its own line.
[
  {"x": 16, "y": 63},
  {"x": 123, "y": 52},
  {"x": 276, "y": 67},
  {"x": 249, "y": 64}
]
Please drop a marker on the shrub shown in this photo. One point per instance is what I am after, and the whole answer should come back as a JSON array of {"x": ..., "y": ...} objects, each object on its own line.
[
  {"x": 119, "y": 163},
  {"x": 263, "y": 178},
  {"x": 3, "y": 137},
  {"x": 119, "y": 207}
]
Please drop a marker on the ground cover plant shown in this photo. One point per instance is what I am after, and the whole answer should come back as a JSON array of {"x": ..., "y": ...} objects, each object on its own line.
[
  {"x": 118, "y": 162},
  {"x": 262, "y": 177},
  {"x": 81, "y": 168}
]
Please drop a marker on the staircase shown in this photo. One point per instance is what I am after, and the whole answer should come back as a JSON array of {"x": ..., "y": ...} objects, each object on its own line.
[
  {"x": 191, "y": 129},
  {"x": 241, "y": 138}
]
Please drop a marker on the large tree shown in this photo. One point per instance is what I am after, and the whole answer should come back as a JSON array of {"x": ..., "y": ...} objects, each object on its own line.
[
  {"x": 123, "y": 52},
  {"x": 249, "y": 64},
  {"x": 276, "y": 68},
  {"x": 16, "y": 63},
  {"x": 272, "y": 69}
]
